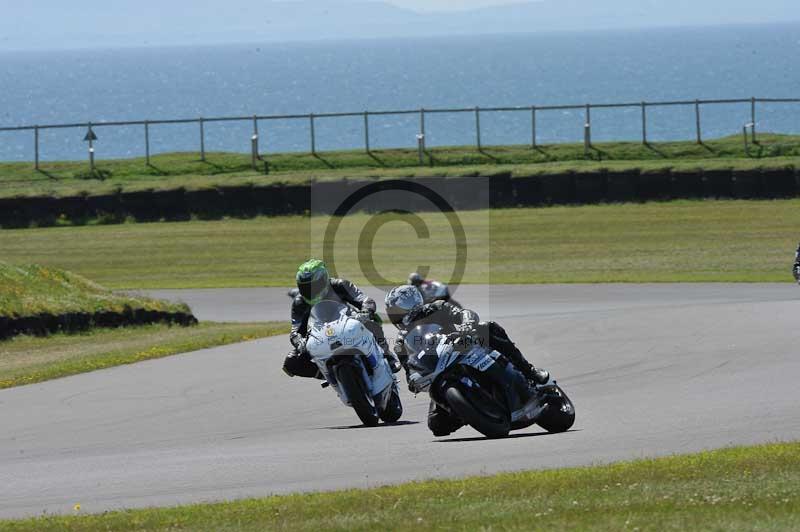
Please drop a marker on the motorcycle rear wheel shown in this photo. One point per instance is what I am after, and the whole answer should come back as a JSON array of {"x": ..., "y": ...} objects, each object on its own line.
[
  {"x": 490, "y": 424},
  {"x": 350, "y": 381}
]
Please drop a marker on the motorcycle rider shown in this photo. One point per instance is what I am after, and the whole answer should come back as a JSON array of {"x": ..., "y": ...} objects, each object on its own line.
[
  {"x": 406, "y": 310},
  {"x": 431, "y": 290},
  {"x": 796, "y": 268},
  {"x": 314, "y": 284}
]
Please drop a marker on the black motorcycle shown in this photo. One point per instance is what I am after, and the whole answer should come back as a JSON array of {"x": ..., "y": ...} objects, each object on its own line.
[{"x": 480, "y": 387}]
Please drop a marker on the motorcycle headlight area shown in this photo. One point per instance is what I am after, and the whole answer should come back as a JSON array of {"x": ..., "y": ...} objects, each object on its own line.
[{"x": 423, "y": 362}]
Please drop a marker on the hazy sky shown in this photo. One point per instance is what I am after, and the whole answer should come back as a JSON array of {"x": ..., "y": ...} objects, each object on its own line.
[
  {"x": 447, "y": 5},
  {"x": 55, "y": 24}
]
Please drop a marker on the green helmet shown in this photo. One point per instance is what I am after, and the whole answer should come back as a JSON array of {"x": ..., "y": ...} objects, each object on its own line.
[{"x": 313, "y": 281}]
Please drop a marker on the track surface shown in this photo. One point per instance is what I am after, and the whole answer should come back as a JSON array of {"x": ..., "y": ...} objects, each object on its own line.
[{"x": 652, "y": 369}]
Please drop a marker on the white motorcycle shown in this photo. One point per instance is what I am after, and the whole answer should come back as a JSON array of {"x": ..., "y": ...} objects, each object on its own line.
[
  {"x": 353, "y": 363},
  {"x": 481, "y": 388}
]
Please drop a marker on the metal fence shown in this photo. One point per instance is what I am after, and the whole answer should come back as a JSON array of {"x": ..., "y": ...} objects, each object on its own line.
[{"x": 311, "y": 120}]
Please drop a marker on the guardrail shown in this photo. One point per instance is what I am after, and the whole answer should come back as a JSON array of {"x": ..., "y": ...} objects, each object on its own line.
[{"x": 312, "y": 118}]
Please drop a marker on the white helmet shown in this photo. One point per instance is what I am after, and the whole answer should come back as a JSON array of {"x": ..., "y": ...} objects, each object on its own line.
[{"x": 400, "y": 301}]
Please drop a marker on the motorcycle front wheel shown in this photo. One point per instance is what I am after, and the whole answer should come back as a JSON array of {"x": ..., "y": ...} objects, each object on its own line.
[
  {"x": 350, "y": 381},
  {"x": 488, "y": 418},
  {"x": 394, "y": 408},
  {"x": 559, "y": 415}
]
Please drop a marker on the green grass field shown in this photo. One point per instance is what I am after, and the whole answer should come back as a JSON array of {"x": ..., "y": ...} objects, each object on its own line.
[
  {"x": 678, "y": 241},
  {"x": 170, "y": 171},
  {"x": 750, "y": 488},
  {"x": 27, "y": 360},
  {"x": 28, "y": 290}
]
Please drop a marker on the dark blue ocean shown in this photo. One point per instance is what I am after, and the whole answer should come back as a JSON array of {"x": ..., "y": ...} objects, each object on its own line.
[{"x": 514, "y": 70}]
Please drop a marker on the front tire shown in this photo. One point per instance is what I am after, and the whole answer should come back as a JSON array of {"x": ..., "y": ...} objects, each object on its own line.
[
  {"x": 394, "y": 408},
  {"x": 491, "y": 421},
  {"x": 559, "y": 416},
  {"x": 350, "y": 380}
]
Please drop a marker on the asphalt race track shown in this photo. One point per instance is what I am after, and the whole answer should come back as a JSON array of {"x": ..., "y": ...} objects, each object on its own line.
[{"x": 652, "y": 369}]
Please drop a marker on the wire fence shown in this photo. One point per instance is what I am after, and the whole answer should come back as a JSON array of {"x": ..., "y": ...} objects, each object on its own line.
[{"x": 311, "y": 121}]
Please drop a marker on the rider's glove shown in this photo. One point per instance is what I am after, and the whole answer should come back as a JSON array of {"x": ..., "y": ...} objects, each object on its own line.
[
  {"x": 399, "y": 344},
  {"x": 300, "y": 345},
  {"x": 364, "y": 316},
  {"x": 466, "y": 328},
  {"x": 461, "y": 339}
]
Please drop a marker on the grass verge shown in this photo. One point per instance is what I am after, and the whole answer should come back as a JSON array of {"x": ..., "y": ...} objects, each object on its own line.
[
  {"x": 748, "y": 488},
  {"x": 678, "y": 241},
  {"x": 29, "y": 290},
  {"x": 176, "y": 170},
  {"x": 28, "y": 360}
]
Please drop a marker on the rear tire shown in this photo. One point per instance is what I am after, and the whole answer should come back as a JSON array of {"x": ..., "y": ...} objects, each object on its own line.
[
  {"x": 350, "y": 381},
  {"x": 490, "y": 424},
  {"x": 394, "y": 408},
  {"x": 559, "y": 415}
]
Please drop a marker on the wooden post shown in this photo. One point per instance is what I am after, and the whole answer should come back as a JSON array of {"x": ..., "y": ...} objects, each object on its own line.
[
  {"x": 36, "y": 146},
  {"x": 753, "y": 118},
  {"x": 533, "y": 126},
  {"x": 587, "y": 131},
  {"x": 366, "y": 130},
  {"x": 422, "y": 128},
  {"x": 313, "y": 135},
  {"x": 147, "y": 142},
  {"x": 697, "y": 121},
  {"x": 255, "y": 136},
  {"x": 644, "y": 123},
  {"x": 478, "y": 128},
  {"x": 91, "y": 147},
  {"x": 202, "y": 140}
]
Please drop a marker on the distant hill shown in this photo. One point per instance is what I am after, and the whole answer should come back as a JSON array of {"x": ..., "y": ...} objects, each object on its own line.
[{"x": 93, "y": 23}]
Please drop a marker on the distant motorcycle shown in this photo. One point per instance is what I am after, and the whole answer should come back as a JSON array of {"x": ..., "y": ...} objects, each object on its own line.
[
  {"x": 480, "y": 387},
  {"x": 353, "y": 363},
  {"x": 436, "y": 291},
  {"x": 796, "y": 267}
]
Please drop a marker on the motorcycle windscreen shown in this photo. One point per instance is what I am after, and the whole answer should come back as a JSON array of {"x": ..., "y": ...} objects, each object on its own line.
[
  {"x": 326, "y": 312},
  {"x": 415, "y": 339},
  {"x": 424, "y": 362}
]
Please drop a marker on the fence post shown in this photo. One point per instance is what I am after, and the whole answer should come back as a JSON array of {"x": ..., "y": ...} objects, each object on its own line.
[
  {"x": 478, "y": 128},
  {"x": 202, "y": 140},
  {"x": 697, "y": 121},
  {"x": 753, "y": 118},
  {"x": 587, "y": 131},
  {"x": 313, "y": 135},
  {"x": 644, "y": 123},
  {"x": 91, "y": 147},
  {"x": 744, "y": 134},
  {"x": 255, "y": 136},
  {"x": 422, "y": 128},
  {"x": 147, "y": 142},
  {"x": 533, "y": 126},
  {"x": 366, "y": 130},
  {"x": 36, "y": 146}
]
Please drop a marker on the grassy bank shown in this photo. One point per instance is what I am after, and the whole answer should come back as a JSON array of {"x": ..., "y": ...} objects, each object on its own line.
[
  {"x": 29, "y": 290},
  {"x": 171, "y": 171},
  {"x": 679, "y": 241},
  {"x": 755, "y": 488},
  {"x": 28, "y": 360}
]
